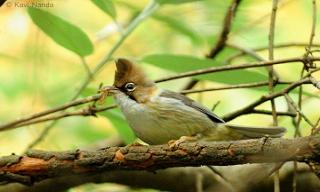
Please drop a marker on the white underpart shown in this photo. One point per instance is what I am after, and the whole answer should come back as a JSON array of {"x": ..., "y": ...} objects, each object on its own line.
[{"x": 162, "y": 119}]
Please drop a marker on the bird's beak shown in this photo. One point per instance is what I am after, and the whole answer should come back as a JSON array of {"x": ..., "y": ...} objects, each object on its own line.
[{"x": 108, "y": 90}]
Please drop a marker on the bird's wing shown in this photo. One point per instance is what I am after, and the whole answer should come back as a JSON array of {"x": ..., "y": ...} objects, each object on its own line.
[{"x": 191, "y": 103}]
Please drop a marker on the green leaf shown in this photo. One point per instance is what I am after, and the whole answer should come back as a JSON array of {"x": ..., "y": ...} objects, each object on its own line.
[
  {"x": 175, "y": 1},
  {"x": 106, "y": 6},
  {"x": 62, "y": 32},
  {"x": 119, "y": 122},
  {"x": 88, "y": 91},
  {"x": 179, "y": 26},
  {"x": 184, "y": 63}
]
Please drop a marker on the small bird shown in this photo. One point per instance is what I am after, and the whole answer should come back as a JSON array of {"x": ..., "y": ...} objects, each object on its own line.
[{"x": 158, "y": 116}]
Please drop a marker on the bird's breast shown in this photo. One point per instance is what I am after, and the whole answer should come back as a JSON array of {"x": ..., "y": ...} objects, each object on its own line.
[{"x": 162, "y": 119}]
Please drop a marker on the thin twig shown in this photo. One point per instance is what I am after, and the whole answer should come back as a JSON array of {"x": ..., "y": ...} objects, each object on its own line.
[
  {"x": 86, "y": 67},
  {"x": 271, "y": 57},
  {"x": 316, "y": 128},
  {"x": 89, "y": 111},
  {"x": 297, "y": 121},
  {"x": 258, "y": 49},
  {"x": 247, "y": 51},
  {"x": 236, "y": 67},
  {"x": 12, "y": 124},
  {"x": 263, "y": 99},
  {"x": 223, "y": 37},
  {"x": 266, "y": 112},
  {"x": 315, "y": 82},
  {"x": 296, "y": 107},
  {"x": 238, "y": 86},
  {"x": 215, "y": 106},
  {"x": 276, "y": 179},
  {"x": 261, "y": 19},
  {"x": 314, "y": 22},
  {"x": 222, "y": 179},
  {"x": 226, "y": 29}
]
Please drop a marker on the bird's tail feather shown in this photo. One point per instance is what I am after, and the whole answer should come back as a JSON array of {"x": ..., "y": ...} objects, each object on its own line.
[{"x": 256, "y": 132}]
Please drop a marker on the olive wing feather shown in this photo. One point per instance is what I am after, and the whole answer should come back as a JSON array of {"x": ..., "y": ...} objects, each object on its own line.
[{"x": 191, "y": 103}]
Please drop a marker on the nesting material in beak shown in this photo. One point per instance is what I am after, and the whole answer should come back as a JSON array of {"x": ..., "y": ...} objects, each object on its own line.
[
  {"x": 109, "y": 90},
  {"x": 106, "y": 91}
]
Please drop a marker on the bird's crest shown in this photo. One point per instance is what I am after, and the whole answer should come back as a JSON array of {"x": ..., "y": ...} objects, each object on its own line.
[{"x": 129, "y": 72}]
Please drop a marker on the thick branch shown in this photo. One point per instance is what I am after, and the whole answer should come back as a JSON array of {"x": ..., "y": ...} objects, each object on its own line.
[{"x": 38, "y": 165}]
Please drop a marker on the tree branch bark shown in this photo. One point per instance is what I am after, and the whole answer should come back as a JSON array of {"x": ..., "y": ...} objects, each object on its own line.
[{"x": 38, "y": 165}]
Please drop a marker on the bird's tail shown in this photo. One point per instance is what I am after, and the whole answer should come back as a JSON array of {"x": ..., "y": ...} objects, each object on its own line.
[{"x": 257, "y": 132}]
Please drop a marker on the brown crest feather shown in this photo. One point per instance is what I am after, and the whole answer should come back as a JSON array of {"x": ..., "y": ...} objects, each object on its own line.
[{"x": 129, "y": 72}]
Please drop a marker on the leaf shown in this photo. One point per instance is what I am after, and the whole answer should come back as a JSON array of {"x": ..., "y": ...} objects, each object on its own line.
[
  {"x": 62, "y": 32},
  {"x": 184, "y": 63},
  {"x": 119, "y": 122},
  {"x": 88, "y": 91},
  {"x": 179, "y": 26},
  {"x": 161, "y": 2},
  {"x": 106, "y": 6}
]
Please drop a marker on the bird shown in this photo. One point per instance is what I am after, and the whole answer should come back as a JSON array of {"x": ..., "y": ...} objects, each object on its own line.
[{"x": 158, "y": 116}]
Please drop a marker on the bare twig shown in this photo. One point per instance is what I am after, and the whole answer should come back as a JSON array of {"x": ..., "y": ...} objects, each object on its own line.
[
  {"x": 271, "y": 57},
  {"x": 315, "y": 82},
  {"x": 246, "y": 51},
  {"x": 223, "y": 37},
  {"x": 12, "y": 124},
  {"x": 296, "y": 121},
  {"x": 236, "y": 67},
  {"x": 314, "y": 22},
  {"x": 254, "y": 50},
  {"x": 296, "y": 107},
  {"x": 266, "y": 112},
  {"x": 89, "y": 111},
  {"x": 86, "y": 67},
  {"x": 226, "y": 29},
  {"x": 316, "y": 128},
  {"x": 238, "y": 86},
  {"x": 271, "y": 81},
  {"x": 263, "y": 99}
]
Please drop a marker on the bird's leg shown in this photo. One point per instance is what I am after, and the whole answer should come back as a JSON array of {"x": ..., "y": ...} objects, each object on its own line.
[
  {"x": 175, "y": 143},
  {"x": 135, "y": 143}
]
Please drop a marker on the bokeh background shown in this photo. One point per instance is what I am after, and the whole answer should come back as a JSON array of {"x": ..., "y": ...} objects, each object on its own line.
[{"x": 37, "y": 74}]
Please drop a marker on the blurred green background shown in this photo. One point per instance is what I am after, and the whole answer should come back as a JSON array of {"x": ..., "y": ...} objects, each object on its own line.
[{"x": 36, "y": 73}]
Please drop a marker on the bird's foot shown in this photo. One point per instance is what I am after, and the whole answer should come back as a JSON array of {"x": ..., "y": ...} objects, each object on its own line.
[
  {"x": 173, "y": 144},
  {"x": 134, "y": 144}
]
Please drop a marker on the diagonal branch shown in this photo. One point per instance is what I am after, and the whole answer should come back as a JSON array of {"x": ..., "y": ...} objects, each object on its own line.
[
  {"x": 263, "y": 99},
  {"x": 236, "y": 67},
  {"x": 223, "y": 37}
]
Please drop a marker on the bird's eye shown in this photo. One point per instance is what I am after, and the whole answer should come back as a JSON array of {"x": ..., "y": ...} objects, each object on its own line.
[{"x": 130, "y": 87}]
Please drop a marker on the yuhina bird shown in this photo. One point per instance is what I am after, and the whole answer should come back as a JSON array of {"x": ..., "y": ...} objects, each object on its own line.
[{"x": 158, "y": 116}]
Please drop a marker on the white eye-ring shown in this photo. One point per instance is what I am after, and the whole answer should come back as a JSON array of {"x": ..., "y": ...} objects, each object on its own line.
[{"x": 130, "y": 87}]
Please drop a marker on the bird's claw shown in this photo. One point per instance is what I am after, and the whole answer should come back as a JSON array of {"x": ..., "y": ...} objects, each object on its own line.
[{"x": 174, "y": 144}]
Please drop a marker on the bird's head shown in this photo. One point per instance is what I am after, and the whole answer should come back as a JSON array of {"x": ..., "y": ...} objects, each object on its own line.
[{"x": 131, "y": 80}]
